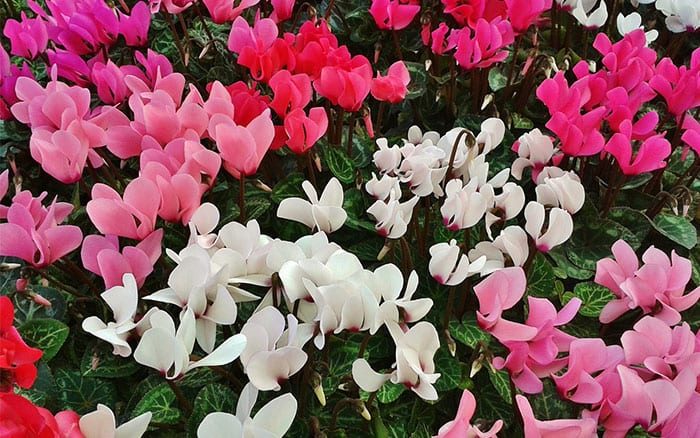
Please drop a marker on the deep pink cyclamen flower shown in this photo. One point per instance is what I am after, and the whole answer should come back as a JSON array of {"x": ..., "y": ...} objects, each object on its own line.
[
  {"x": 282, "y": 10},
  {"x": 134, "y": 27},
  {"x": 303, "y": 131},
  {"x": 290, "y": 92},
  {"x": 32, "y": 231},
  {"x": 467, "y": 12},
  {"x": 394, "y": 14},
  {"x": 391, "y": 88},
  {"x": 259, "y": 49},
  {"x": 347, "y": 84},
  {"x": 312, "y": 46},
  {"x": 440, "y": 43},
  {"x": 133, "y": 216},
  {"x": 17, "y": 358},
  {"x": 651, "y": 154},
  {"x": 9, "y": 73},
  {"x": 28, "y": 37},
  {"x": 101, "y": 256},
  {"x": 523, "y": 13},
  {"x": 691, "y": 135},
  {"x": 679, "y": 86},
  {"x": 483, "y": 47}
]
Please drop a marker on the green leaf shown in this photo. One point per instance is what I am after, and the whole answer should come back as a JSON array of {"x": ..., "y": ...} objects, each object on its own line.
[
  {"x": 198, "y": 377},
  {"x": 497, "y": 80},
  {"x": 44, "y": 386},
  {"x": 547, "y": 405},
  {"x": 500, "y": 381},
  {"x": 340, "y": 164},
  {"x": 540, "y": 278},
  {"x": 634, "y": 220},
  {"x": 389, "y": 392},
  {"x": 100, "y": 362},
  {"x": 256, "y": 207},
  {"x": 677, "y": 228},
  {"x": 449, "y": 369},
  {"x": 290, "y": 187},
  {"x": 593, "y": 239},
  {"x": 45, "y": 334},
  {"x": 82, "y": 394},
  {"x": 468, "y": 332},
  {"x": 521, "y": 122},
  {"x": 593, "y": 296},
  {"x": 159, "y": 401},
  {"x": 419, "y": 79},
  {"x": 212, "y": 398}
]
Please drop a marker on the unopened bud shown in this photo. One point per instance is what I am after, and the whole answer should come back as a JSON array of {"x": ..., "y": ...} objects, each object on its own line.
[
  {"x": 451, "y": 344},
  {"x": 21, "y": 284},
  {"x": 262, "y": 186},
  {"x": 317, "y": 385},
  {"x": 362, "y": 410},
  {"x": 40, "y": 300},
  {"x": 385, "y": 249},
  {"x": 9, "y": 266}
]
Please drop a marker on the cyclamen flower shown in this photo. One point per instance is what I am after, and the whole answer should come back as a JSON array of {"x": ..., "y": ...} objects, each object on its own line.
[
  {"x": 266, "y": 360},
  {"x": 588, "y": 18},
  {"x": 326, "y": 214},
  {"x": 484, "y": 47},
  {"x": 272, "y": 420},
  {"x": 394, "y": 14},
  {"x": 658, "y": 287},
  {"x": 389, "y": 280},
  {"x": 583, "y": 428},
  {"x": 464, "y": 206},
  {"x": 392, "y": 87},
  {"x": 450, "y": 268},
  {"x": 302, "y": 131},
  {"x": 28, "y": 37},
  {"x": 632, "y": 22},
  {"x": 563, "y": 190},
  {"x": 392, "y": 216},
  {"x": 101, "y": 422},
  {"x": 559, "y": 227},
  {"x": 17, "y": 358},
  {"x": 462, "y": 422},
  {"x": 168, "y": 351}
]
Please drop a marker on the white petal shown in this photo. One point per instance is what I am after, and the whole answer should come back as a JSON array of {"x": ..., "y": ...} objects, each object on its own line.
[
  {"x": 534, "y": 219},
  {"x": 296, "y": 209},
  {"x": 332, "y": 195},
  {"x": 205, "y": 218},
  {"x": 224, "y": 353},
  {"x": 366, "y": 378},
  {"x": 277, "y": 415},
  {"x": 246, "y": 401},
  {"x": 123, "y": 299},
  {"x": 160, "y": 350},
  {"x": 99, "y": 423},
  {"x": 220, "y": 424},
  {"x": 135, "y": 427}
]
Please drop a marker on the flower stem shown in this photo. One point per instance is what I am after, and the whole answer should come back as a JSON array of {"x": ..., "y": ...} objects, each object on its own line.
[
  {"x": 241, "y": 198},
  {"x": 184, "y": 402}
]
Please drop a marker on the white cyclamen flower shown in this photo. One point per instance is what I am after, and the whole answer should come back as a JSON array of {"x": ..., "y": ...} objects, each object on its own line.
[
  {"x": 386, "y": 159},
  {"x": 558, "y": 230},
  {"x": 534, "y": 150},
  {"x": 271, "y": 421},
  {"x": 123, "y": 301},
  {"x": 381, "y": 188},
  {"x": 389, "y": 280},
  {"x": 681, "y": 15},
  {"x": 392, "y": 216},
  {"x": 565, "y": 191},
  {"x": 591, "y": 19},
  {"x": 168, "y": 351},
  {"x": 633, "y": 22},
  {"x": 513, "y": 241},
  {"x": 264, "y": 361},
  {"x": 326, "y": 213},
  {"x": 101, "y": 423},
  {"x": 464, "y": 206},
  {"x": 449, "y": 267}
]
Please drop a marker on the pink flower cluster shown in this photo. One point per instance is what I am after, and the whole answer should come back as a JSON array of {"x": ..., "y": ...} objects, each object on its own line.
[
  {"x": 651, "y": 379},
  {"x": 615, "y": 94},
  {"x": 487, "y": 27}
]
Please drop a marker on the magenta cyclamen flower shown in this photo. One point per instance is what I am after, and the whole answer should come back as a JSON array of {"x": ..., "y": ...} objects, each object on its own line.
[
  {"x": 650, "y": 155},
  {"x": 657, "y": 287},
  {"x": 394, "y": 14},
  {"x": 679, "y": 86},
  {"x": 28, "y": 37},
  {"x": 522, "y": 13},
  {"x": 483, "y": 47}
]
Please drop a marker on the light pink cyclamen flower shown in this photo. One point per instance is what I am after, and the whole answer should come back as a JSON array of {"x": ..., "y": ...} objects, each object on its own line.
[
  {"x": 583, "y": 428},
  {"x": 657, "y": 287},
  {"x": 32, "y": 231},
  {"x": 101, "y": 256},
  {"x": 461, "y": 425},
  {"x": 223, "y": 11},
  {"x": 133, "y": 217}
]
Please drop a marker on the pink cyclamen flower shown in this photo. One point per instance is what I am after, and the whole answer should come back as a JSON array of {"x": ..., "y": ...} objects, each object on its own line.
[
  {"x": 500, "y": 291},
  {"x": 346, "y": 85},
  {"x": 28, "y": 37},
  {"x": 440, "y": 42},
  {"x": 290, "y": 92},
  {"x": 282, "y": 10},
  {"x": 468, "y": 12},
  {"x": 679, "y": 86},
  {"x": 583, "y": 428},
  {"x": 242, "y": 148},
  {"x": 650, "y": 155},
  {"x": 134, "y": 27},
  {"x": 32, "y": 231},
  {"x": 483, "y": 47},
  {"x": 9, "y": 73},
  {"x": 462, "y": 422},
  {"x": 658, "y": 287},
  {"x": 394, "y": 14},
  {"x": 224, "y": 11},
  {"x": 392, "y": 87},
  {"x": 101, "y": 256},
  {"x": 523, "y": 13},
  {"x": 302, "y": 131},
  {"x": 133, "y": 216}
]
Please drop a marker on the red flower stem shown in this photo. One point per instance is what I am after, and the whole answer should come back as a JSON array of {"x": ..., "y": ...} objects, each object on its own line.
[
  {"x": 351, "y": 130},
  {"x": 176, "y": 38}
]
